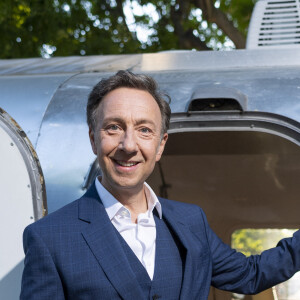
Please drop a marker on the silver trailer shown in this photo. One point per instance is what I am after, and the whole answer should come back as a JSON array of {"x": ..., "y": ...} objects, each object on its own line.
[{"x": 233, "y": 143}]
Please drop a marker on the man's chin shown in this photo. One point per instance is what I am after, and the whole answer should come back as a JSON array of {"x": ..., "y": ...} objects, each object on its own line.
[
  {"x": 129, "y": 185},
  {"x": 123, "y": 184}
]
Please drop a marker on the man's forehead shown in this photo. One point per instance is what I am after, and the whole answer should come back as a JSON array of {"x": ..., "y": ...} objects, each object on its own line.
[
  {"x": 136, "y": 99},
  {"x": 126, "y": 91},
  {"x": 124, "y": 104}
]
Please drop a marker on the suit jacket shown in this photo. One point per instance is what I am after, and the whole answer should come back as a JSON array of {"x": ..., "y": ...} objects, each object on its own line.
[{"x": 74, "y": 253}]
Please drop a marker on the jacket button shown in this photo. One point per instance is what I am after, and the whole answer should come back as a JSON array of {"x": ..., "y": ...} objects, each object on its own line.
[{"x": 155, "y": 297}]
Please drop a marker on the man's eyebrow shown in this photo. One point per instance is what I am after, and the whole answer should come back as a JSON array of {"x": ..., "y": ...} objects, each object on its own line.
[
  {"x": 121, "y": 121},
  {"x": 115, "y": 119},
  {"x": 145, "y": 121}
]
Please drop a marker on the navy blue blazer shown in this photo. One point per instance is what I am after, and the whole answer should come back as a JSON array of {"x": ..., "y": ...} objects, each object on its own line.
[{"x": 74, "y": 253}]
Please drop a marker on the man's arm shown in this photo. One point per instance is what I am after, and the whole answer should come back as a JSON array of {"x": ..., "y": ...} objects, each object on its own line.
[
  {"x": 40, "y": 277},
  {"x": 232, "y": 271}
]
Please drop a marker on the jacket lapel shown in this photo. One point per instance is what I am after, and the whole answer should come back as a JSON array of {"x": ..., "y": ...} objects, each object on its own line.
[
  {"x": 187, "y": 238},
  {"x": 101, "y": 236}
]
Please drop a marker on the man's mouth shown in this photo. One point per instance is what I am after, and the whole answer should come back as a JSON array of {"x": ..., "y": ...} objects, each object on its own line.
[{"x": 126, "y": 163}]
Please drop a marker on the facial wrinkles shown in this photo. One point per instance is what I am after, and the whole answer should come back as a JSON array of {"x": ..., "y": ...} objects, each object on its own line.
[
  {"x": 130, "y": 135},
  {"x": 131, "y": 121},
  {"x": 132, "y": 113},
  {"x": 130, "y": 117},
  {"x": 124, "y": 116},
  {"x": 131, "y": 105}
]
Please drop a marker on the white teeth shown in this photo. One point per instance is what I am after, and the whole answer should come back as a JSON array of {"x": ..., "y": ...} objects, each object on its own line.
[{"x": 126, "y": 164}]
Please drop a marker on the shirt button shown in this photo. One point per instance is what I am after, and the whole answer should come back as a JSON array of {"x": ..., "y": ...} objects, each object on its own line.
[{"x": 154, "y": 297}]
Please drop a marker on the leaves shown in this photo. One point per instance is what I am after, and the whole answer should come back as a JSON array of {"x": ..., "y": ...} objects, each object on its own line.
[
  {"x": 86, "y": 27},
  {"x": 254, "y": 241}
]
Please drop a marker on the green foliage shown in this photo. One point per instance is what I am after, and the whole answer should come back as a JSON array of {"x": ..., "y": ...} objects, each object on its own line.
[
  {"x": 239, "y": 11},
  {"x": 254, "y": 241},
  {"x": 247, "y": 241},
  {"x": 71, "y": 27},
  {"x": 31, "y": 28}
]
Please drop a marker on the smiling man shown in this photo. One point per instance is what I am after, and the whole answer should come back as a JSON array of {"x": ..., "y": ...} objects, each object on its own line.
[
  {"x": 121, "y": 241},
  {"x": 128, "y": 140}
]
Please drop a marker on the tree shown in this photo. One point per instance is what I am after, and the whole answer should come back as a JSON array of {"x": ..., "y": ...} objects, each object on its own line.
[
  {"x": 254, "y": 241},
  {"x": 85, "y": 27},
  {"x": 202, "y": 24}
]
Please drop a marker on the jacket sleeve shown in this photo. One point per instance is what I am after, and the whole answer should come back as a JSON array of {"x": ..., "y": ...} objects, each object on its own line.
[
  {"x": 40, "y": 278},
  {"x": 232, "y": 271}
]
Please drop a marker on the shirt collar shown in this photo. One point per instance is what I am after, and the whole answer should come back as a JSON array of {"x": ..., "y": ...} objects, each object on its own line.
[
  {"x": 152, "y": 200},
  {"x": 112, "y": 205}
]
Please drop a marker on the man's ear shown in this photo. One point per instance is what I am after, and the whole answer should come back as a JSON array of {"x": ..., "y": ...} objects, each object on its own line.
[
  {"x": 92, "y": 140},
  {"x": 161, "y": 146}
]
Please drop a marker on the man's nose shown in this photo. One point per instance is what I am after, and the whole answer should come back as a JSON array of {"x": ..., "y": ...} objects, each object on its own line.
[{"x": 128, "y": 142}]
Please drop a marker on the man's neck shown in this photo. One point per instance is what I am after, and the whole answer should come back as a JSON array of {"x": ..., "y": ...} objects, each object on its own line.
[
  {"x": 133, "y": 199},
  {"x": 136, "y": 202}
]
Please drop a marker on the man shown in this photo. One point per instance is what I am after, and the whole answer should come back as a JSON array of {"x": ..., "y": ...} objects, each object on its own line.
[{"x": 119, "y": 241}]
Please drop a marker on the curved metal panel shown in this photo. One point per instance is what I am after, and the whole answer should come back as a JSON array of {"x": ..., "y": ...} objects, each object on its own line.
[
  {"x": 233, "y": 121},
  {"x": 27, "y": 97},
  {"x": 22, "y": 200},
  {"x": 274, "y": 90},
  {"x": 175, "y": 61},
  {"x": 71, "y": 64},
  {"x": 63, "y": 145}
]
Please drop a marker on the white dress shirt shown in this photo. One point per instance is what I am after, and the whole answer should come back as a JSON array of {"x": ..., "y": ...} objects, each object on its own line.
[{"x": 140, "y": 237}]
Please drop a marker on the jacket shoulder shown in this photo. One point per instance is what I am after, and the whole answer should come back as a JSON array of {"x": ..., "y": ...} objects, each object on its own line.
[
  {"x": 185, "y": 212},
  {"x": 68, "y": 214},
  {"x": 59, "y": 217}
]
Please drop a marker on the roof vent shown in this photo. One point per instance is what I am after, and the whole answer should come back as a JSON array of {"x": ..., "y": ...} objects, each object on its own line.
[
  {"x": 217, "y": 98},
  {"x": 214, "y": 104},
  {"x": 275, "y": 24}
]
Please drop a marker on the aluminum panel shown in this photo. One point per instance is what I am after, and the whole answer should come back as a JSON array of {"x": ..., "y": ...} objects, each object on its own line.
[{"x": 26, "y": 99}]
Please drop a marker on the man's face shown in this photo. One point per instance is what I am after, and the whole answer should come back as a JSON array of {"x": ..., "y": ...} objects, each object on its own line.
[{"x": 127, "y": 138}]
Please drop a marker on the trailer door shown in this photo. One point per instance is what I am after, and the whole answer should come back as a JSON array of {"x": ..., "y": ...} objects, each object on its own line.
[{"x": 22, "y": 201}]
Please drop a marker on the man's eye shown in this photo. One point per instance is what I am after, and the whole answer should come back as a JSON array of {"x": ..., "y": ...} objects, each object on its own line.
[
  {"x": 145, "y": 130},
  {"x": 112, "y": 127}
]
